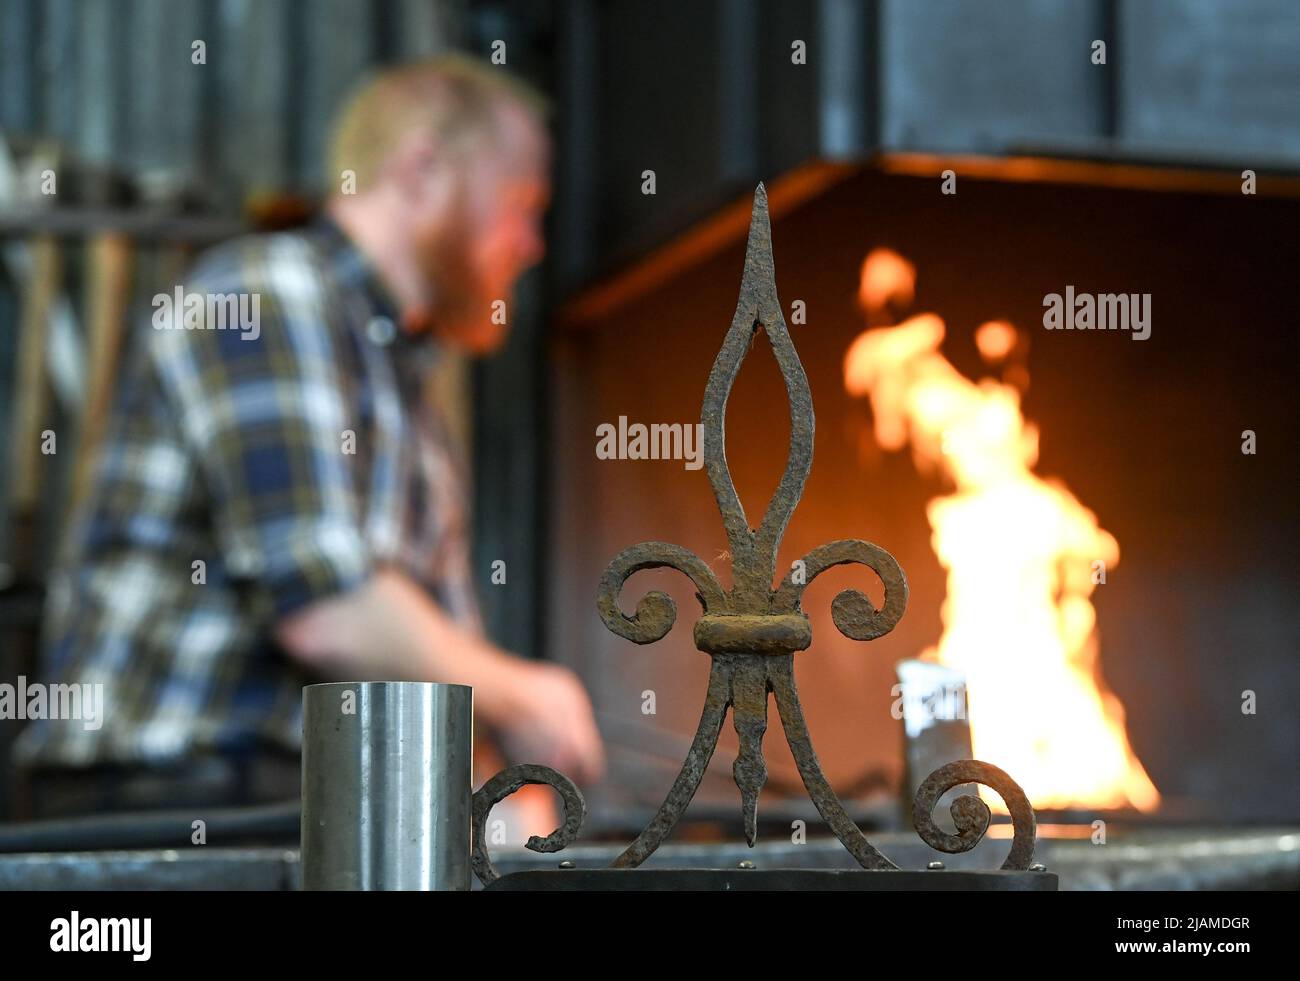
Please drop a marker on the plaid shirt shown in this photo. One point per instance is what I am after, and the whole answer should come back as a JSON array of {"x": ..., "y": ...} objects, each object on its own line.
[{"x": 290, "y": 461}]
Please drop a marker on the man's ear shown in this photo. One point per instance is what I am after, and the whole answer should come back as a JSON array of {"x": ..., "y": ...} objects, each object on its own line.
[{"x": 416, "y": 157}]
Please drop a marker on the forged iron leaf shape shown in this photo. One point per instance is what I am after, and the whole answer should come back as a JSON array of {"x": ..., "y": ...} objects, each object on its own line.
[{"x": 753, "y": 630}]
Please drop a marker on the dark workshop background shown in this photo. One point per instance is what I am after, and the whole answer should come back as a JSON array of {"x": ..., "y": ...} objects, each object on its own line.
[{"x": 1133, "y": 185}]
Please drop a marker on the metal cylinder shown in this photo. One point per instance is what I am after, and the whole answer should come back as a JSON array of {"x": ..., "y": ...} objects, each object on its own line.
[{"x": 386, "y": 773}]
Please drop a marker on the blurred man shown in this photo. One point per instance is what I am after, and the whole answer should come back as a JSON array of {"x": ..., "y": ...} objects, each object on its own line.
[{"x": 276, "y": 504}]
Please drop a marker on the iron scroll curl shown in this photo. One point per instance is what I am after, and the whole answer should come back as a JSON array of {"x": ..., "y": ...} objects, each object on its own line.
[
  {"x": 971, "y": 815},
  {"x": 502, "y": 786}
]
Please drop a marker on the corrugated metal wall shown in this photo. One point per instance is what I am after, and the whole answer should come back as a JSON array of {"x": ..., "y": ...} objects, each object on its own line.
[{"x": 115, "y": 80}]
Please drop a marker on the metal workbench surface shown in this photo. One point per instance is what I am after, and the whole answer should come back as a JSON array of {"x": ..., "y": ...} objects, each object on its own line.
[{"x": 1177, "y": 858}]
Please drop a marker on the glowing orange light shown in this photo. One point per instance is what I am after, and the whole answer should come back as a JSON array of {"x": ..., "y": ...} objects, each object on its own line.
[
  {"x": 1023, "y": 557},
  {"x": 995, "y": 340}
]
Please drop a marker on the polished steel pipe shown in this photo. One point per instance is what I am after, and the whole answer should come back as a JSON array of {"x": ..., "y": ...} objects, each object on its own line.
[{"x": 386, "y": 773}]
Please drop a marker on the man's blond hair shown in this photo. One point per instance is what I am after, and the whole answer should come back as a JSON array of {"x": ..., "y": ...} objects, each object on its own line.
[{"x": 453, "y": 97}]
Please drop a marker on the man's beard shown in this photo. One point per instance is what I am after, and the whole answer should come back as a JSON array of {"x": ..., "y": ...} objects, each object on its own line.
[{"x": 460, "y": 304}]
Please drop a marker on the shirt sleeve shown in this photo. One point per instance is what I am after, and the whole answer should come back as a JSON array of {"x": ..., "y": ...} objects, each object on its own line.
[{"x": 268, "y": 411}]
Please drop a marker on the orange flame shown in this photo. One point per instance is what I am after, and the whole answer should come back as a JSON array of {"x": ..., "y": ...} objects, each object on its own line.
[{"x": 1023, "y": 557}]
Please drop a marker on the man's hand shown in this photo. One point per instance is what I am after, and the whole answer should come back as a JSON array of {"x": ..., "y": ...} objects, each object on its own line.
[
  {"x": 391, "y": 630},
  {"x": 551, "y": 722}
]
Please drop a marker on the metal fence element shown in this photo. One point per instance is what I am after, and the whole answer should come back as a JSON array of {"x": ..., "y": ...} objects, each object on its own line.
[{"x": 752, "y": 631}]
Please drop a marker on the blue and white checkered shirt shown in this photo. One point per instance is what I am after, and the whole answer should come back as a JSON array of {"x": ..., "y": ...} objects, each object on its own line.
[{"x": 244, "y": 474}]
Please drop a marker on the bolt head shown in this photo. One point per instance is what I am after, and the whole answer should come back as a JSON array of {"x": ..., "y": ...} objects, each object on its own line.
[
  {"x": 935, "y": 866},
  {"x": 1038, "y": 867},
  {"x": 745, "y": 864},
  {"x": 566, "y": 864}
]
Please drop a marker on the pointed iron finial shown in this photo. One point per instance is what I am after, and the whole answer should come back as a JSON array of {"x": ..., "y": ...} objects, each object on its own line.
[{"x": 752, "y": 631}]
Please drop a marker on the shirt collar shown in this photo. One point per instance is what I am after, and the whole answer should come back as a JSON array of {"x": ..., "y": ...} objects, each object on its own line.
[{"x": 352, "y": 267}]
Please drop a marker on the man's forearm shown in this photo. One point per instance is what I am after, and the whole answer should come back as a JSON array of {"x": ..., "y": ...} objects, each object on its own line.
[{"x": 391, "y": 630}]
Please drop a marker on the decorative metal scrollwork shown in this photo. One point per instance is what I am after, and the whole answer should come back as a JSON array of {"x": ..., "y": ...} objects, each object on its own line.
[
  {"x": 752, "y": 631},
  {"x": 502, "y": 786}
]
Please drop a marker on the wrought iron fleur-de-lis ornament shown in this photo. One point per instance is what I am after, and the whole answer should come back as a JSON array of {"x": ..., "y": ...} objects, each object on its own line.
[{"x": 753, "y": 630}]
